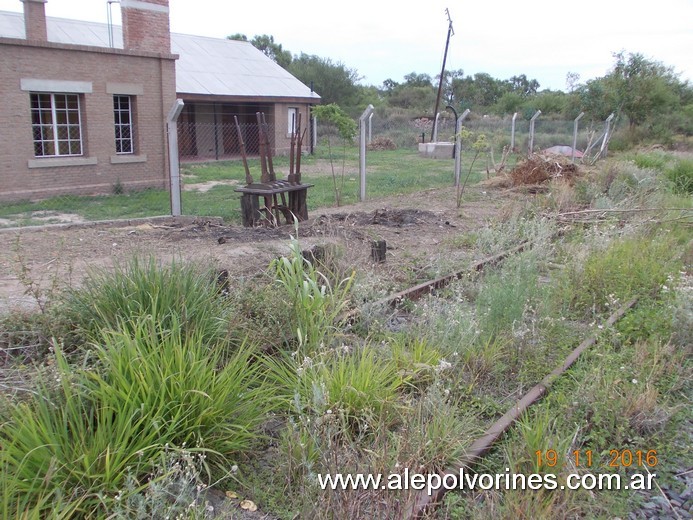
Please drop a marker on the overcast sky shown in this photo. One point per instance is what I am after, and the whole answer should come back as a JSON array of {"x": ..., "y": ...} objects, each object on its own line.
[{"x": 384, "y": 39}]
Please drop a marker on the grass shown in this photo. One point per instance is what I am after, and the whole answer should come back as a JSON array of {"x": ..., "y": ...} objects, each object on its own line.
[
  {"x": 150, "y": 390},
  {"x": 144, "y": 203},
  {"x": 176, "y": 293},
  {"x": 162, "y": 357},
  {"x": 389, "y": 173},
  {"x": 681, "y": 176},
  {"x": 316, "y": 304}
]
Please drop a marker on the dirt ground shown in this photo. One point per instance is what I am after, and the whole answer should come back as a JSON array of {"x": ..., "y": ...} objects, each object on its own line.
[{"x": 418, "y": 228}]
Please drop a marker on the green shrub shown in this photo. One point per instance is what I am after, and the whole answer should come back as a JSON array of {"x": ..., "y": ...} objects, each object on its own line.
[
  {"x": 627, "y": 268},
  {"x": 681, "y": 176},
  {"x": 652, "y": 161},
  {"x": 181, "y": 293},
  {"x": 415, "y": 359},
  {"x": 152, "y": 389},
  {"x": 506, "y": 294},
  {"x": 357, "y": 388},
  {"x": 315, "y": 303}
]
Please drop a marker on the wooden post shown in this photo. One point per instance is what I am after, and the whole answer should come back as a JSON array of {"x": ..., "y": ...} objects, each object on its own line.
[{"x": 378, "y": 250}]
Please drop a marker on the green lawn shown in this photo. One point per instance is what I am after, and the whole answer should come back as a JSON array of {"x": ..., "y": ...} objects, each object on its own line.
[{"x": 388, "y": 173}]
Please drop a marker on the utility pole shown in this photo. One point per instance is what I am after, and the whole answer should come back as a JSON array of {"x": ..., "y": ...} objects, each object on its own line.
[{"x": 442, "y": 71}]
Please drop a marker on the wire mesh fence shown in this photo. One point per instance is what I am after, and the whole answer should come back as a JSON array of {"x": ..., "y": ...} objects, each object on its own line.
[{"x": 211, "y": 167}]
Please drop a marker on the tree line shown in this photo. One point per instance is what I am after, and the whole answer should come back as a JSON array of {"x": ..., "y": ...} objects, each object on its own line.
[{"x": 648, "y": 95}]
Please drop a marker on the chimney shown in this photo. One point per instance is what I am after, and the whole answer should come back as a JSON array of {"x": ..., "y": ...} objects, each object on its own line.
[
  {"x": 35, "y": 19},
  {"x": 146, "y": 25}
]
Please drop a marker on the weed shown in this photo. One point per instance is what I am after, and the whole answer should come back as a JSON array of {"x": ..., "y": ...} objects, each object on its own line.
[
  {"x": 681, "y": 176},
  {"x": 315, "y": 304},
  {"x": 118, "y": 188},
  {"x": 42, "y": 294},
  {"x": 416, "y": 359},
  {"x": 355, "y": 388},
  {"x": 507, "y": 295},
  {"x": 151, "y": 389},
  {"x": 176, "y": 489},
  {"x": 627, "y": 268},
  {"x": 181, "y": 293},
  {"x": 653, "y": 161}
]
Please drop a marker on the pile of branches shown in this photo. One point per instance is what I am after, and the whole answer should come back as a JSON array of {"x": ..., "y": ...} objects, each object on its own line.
[
  {"x": 538, "y": 169},
  {"x": 382, "y": 143}
]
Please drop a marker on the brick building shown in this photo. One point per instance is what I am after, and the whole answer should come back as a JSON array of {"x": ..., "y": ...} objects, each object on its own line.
[
  {"x": 81, "y": 118},
  {"x": 85, "y": 104}
]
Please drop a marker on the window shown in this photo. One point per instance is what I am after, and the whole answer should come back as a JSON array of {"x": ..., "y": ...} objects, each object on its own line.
[
  {"x": 293, "y": 120},
  {"x": 56, "y": 124},
  {"x": 122, "y": 115}
]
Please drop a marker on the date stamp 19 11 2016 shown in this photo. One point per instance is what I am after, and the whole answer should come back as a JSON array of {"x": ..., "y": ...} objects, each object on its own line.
[{"x": 624, "y": 458}]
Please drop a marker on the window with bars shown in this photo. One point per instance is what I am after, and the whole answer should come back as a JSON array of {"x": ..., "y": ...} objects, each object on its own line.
[
  {"x": 122, "y": 115},
  {"x": 56, "y": 124}
]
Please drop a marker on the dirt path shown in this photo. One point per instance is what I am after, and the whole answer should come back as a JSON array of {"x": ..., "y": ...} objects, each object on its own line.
[{"x": 418, "y": 228}]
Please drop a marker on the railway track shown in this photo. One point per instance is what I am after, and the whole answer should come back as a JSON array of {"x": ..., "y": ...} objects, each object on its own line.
[{"x": 426, "y": 502}]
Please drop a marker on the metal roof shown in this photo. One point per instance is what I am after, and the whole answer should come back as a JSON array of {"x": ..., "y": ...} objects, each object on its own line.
[{"x": 207, "y": 66}]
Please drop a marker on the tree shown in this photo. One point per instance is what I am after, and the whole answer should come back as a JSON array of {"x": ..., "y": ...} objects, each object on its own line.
[
  {"x": 523, "y": 86},
  {"x": 333, "y": 81},
  {"x": 572, "y": 81},
  {"x": 418, "y": 98},
  {"x": 268, "y": 46},
  {"x": 418, "y": 80},
  {"x": 637, "y": 87},
  {"x": 346, "y": 128},
  {"x": 643, "y": 87},
  {"x": 509, "y": 103},
  {"x": 389, "y": 85}
]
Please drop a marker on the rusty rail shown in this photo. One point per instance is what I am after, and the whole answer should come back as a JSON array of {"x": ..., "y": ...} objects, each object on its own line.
[
  {"x": 425, "y": 503},
  {"x": 417, "y": 291}
]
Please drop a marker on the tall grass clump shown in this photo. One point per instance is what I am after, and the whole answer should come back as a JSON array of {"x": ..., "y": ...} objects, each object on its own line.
[
  {"x": 150, "y": 389},
  {"x": 507, "y": 295},
  {"x": 653, "y": 161},
  {"x": 177, "y": 293},
  {"x": 629, "y": 267},
  {"x": 681, "y": 176},
  {"x": 357, "y": 388},
  {"x": 316, "y": 304}
]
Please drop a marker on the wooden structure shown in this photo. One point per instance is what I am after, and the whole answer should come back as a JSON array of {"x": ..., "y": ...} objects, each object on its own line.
[{"x": 269, "y": 211}]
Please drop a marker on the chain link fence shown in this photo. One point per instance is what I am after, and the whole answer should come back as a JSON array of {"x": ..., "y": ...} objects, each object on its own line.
[
  {"x": 211, "y": 166},
  {"x": 498, "y": 131}
]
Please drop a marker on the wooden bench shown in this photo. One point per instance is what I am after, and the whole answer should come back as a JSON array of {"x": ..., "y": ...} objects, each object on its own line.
[{"x": 254, "y": 212}]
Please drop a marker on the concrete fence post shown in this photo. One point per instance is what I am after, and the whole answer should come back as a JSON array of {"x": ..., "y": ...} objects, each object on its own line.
[
  {"x": 575, "y": 132},
  {"x": 512, "y": 133},
  {"x": 434, "y": 139},
  {"x": 607, "y": 134},
  {"x": 173, "y": 159},
  {"x": 531, "y": 131},
  {"x": 370, "y": 128},
  {"x": 362, "y": 151}
]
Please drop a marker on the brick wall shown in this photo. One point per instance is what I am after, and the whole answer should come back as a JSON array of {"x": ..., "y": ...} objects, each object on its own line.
[
  {"x": 146, "y": 25},
  {"x": 35, "y": 19},
  {"x": 282, "y": 137},
  {"x": 151, "y": 77}
]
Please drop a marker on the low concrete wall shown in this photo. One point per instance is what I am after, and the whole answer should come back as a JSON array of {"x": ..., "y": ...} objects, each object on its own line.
[{"x": 439, "y": 150}]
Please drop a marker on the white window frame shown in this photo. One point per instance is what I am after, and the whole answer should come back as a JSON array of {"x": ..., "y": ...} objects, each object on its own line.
[
  {"x": 292, "y": 119},
  {"x": 123, "y": 145},
  {"x": 59, "y": 131}
]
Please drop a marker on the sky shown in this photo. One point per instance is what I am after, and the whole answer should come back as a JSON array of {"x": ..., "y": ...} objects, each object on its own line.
[{"x": 543, "y": 39}]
